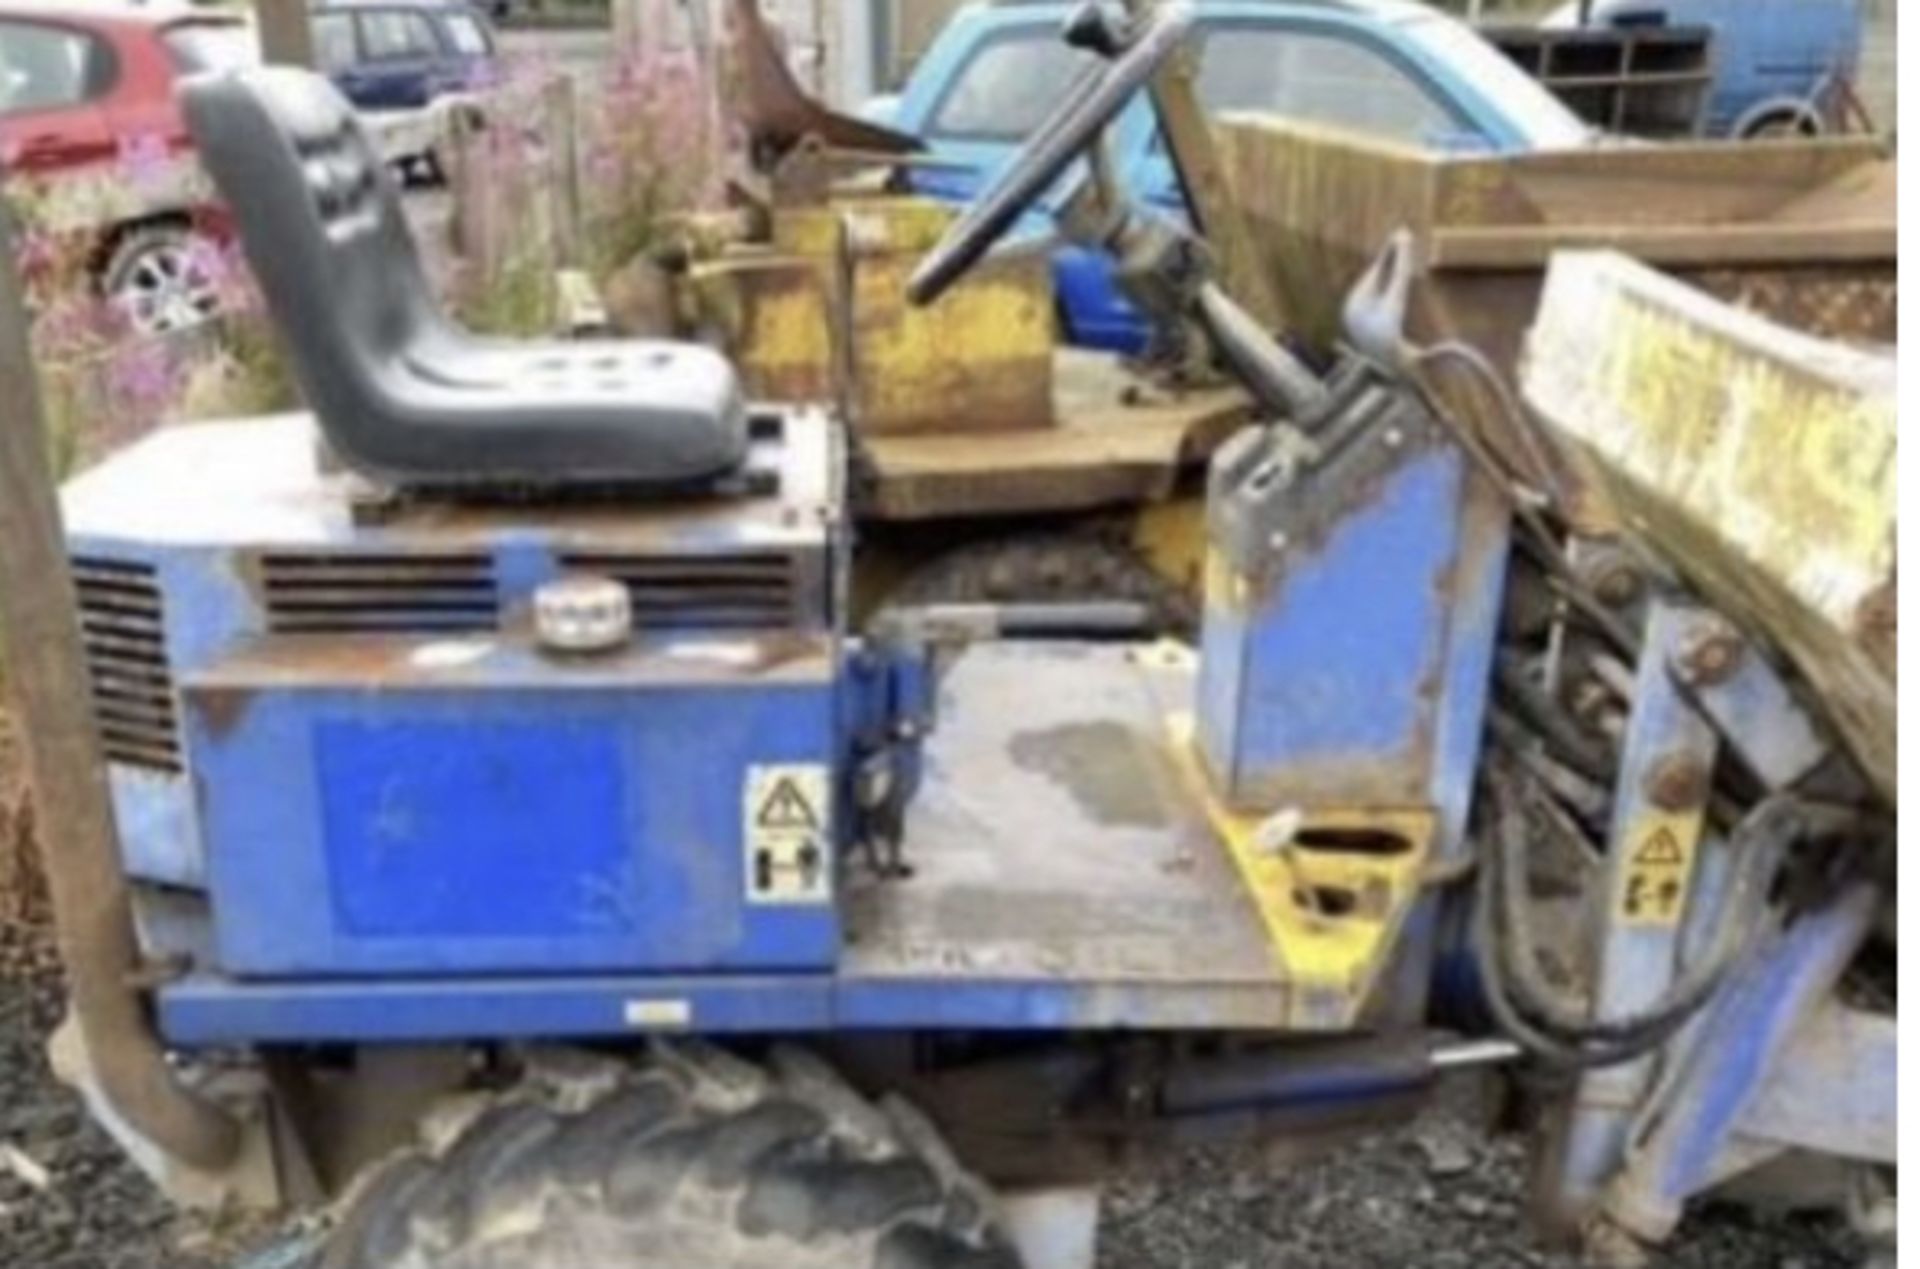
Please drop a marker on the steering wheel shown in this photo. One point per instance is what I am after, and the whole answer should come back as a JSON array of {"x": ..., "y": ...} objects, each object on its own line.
[{"x": 1074, "y": 126}]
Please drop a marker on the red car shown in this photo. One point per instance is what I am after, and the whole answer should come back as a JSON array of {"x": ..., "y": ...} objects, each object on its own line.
[{"x": 87, "y": 109}]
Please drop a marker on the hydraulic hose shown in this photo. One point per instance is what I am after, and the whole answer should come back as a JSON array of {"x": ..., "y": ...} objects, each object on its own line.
[
  {"x": 1561, "y": 1033},
  {"x": 1758, "y": 845}
]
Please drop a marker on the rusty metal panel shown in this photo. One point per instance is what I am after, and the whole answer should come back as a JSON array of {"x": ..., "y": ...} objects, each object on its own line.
[
  {"x": 819, "y": 313},
  {"x": 1758, "y": 461},
  {"x": 1802, "y": 230},
  {"x": 1091, "y": 460},
  {"x": 978, "y": 360}
]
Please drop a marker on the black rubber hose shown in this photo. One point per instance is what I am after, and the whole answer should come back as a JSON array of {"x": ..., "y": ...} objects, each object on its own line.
[
  {"x": 1548, "y": 1049},
  {"x": 1562, "y": 1035},
  {"x": 1585, "y": 754},
  {"x": 1757, "y": 844}
]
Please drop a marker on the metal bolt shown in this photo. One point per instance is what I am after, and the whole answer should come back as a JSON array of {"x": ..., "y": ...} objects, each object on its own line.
[
  {"x": 1677, "y": 782},
  {"x": 1709, "y": 652},
  {"x": 1610, "y": 574},
  {"x": 1617, "y": 586}
]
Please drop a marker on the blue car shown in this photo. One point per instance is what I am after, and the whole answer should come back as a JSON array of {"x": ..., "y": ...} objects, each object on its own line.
[
  {"x": 403, "y": 54},
  {"x": 1384, "y": 67}
]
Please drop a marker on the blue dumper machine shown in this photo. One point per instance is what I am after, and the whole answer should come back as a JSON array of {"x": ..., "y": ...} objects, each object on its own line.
[{"x": 524, "y": 844}]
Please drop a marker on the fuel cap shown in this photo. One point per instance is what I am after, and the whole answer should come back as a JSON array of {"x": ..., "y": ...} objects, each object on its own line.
[{"x": 582, "y": 613}]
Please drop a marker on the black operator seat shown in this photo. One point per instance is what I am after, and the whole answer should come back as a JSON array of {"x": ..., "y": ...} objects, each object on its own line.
[{"x": 403, "y": 393}]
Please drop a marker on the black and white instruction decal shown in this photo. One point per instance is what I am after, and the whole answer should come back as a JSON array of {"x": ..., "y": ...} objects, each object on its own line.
[{"x": 788, "y": 834}]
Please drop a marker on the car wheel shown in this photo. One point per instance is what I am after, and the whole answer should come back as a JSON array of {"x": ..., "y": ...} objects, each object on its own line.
[
  {"x": 1782, "y": 126},
  {"x": 163, "y": 278}
]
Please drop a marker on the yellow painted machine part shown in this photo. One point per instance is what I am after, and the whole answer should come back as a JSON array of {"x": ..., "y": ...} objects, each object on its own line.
[
  {"x": 775, "y": 314},
  {"x": 981, "y": 359},
  {"x": 1171, "y": 537},
  {"x": 1333, "y": 916}
]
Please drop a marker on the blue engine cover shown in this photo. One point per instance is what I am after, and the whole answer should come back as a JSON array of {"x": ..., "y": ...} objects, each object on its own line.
[{"x": 494, "y": 811}]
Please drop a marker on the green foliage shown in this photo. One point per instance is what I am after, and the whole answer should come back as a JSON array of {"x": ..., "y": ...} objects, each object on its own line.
[
  {"x": 645, "y": 150},
  {"x": 514, "y": 299}
]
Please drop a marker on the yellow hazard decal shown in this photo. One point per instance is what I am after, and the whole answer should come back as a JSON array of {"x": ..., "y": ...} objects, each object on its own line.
[
  {"x": 1659, "y": 870},
  {"x": 786, "y": 811}
]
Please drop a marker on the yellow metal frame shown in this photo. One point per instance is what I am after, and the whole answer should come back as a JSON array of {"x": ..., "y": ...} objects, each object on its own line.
[
  {"x": 818, "y": 311},
  {"x": 1332, "y": 916}
]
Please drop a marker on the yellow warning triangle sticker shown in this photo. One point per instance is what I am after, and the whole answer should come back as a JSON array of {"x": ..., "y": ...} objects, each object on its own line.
[
  {"x": 1661, "y": 848},
  {"x": 786, "y": 807}
]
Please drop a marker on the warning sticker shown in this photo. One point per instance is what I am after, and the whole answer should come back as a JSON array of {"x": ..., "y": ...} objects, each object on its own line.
[
  {"x": 787, "y": 821},
  {"x": 1653, "y": 885}
]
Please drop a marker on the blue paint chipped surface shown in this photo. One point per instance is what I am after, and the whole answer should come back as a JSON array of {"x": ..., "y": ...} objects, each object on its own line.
[{"x": 1323, "y": 690}]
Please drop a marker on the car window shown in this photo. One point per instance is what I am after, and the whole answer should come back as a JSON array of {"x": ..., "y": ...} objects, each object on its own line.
[
  {"x": 333, "y": 46},
  {"x": 211, "y": 46},
  {"x": 468, "y": 37},
  {"x": 1010, "y": 85},
  {"x": 1324, "y": 78},
  {"x": 48, "y": 67},
  {"x": 394, "y": 35},
  {"x": 1543, "y": 119}
]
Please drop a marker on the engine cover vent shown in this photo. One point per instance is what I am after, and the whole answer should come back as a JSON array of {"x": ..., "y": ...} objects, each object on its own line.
[
  {"x": 123, "y": 633},
  {"x": 750, "y": 590},
  {"x": 378, "y": 593}
]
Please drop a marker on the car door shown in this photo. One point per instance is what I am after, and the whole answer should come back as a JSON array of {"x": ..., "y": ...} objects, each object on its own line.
[
  {"x": 470, "y": 49},
  {"x": 53, "y": 80},
  {"x": 399, "y": 60}
]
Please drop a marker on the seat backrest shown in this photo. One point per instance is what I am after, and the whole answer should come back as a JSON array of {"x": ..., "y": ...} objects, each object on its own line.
[
  {"x": 320, "y": 220},
  {"x": 403, "y": 393}
]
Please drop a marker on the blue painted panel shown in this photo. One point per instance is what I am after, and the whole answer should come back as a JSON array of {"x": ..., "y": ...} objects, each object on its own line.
[
  {"x": 159, "y": 826},
  {"x": 1360, "y": 617},
  {"x": 205, "y": 609},
  {"x": 206, "y": 1010},
  {"x": 1473, "y": 635},
  {"x": 422, "y": 819},
  {"x": 498, "y": 829},
  {"x": 1052, "y": 1004}
]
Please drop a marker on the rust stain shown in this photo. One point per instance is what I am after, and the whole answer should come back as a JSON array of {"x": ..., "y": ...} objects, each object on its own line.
[{"x": 223, "y": 708}]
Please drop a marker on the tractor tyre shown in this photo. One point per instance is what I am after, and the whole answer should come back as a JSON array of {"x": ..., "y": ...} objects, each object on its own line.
[
  {"x": 1050, "y": 568},
  {"x": 693, "y": 1160}
]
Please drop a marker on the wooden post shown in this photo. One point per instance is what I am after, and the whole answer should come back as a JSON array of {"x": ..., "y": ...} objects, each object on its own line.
[
  {"x": 79, "y": 842},
  {"x": 563, "y": 149},
  {"x": 459, "y": 161},
  {"x": 629, "y": 21},
  {"x": 286, "y": 32}
]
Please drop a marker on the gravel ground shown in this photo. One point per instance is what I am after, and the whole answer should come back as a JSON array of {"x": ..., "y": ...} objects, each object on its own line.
[
  {"x": 68, "y": 1200},
  {"x": 1434, "y": 1194}
]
